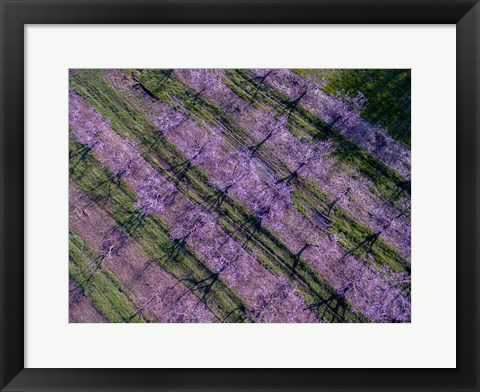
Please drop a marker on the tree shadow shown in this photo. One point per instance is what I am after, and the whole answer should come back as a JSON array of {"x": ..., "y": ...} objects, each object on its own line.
[
  {"x": 366, "y": 243},
  {"x": 292, "y": 105},
  {"x": 290, "y": 179},
  {"x": 261, "y": 81},
  {"x": 134, "y": 220},
  {"x": 330, "y": 207},
  {"x": 139, "y": 312},
  {"x": 201, "y": 287},
  {"x": 240, "y": 315},
  {"x": 335, "y": 305},
  {"x": 254, "y": 149},
  {"x": 193, "y": 100},
  {"x": 250, "y": 227},
  {"x": 369, "y": 241},
  {"x": 181, "y": 171},
  {"x": 296, "y": 259},
  {"x": 146, "y": 91},
  {"x": 215, "y": 200},
  {"x": 157, "y": 136},
  {"x": 170, "y": 255},
  {"x": 403, "y": 187},
  {"x": 104, "y": 189},
  {"x": 81, "y": 155}
]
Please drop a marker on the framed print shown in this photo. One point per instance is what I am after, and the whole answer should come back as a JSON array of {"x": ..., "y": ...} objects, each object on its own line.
[
  {"x": 240, "y": 196},
  {"x": 236, "y": 256}
]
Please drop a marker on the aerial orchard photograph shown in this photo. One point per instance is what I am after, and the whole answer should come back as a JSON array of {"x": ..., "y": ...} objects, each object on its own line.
[{"x": 239, "y": 196}]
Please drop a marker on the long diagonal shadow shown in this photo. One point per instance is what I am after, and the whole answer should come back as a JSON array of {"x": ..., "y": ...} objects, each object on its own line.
[
  {"x": 336, "y": 311},
  {"x": 81, "y": 155},
  {"x": 201, "y": 286}
]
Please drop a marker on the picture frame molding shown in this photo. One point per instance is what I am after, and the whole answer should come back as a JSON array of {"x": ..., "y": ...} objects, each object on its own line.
[{"x": 16, "y": 14}]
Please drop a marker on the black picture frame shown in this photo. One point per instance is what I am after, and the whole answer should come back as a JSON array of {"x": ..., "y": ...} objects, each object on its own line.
[{"x": 15, "y": 14}]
